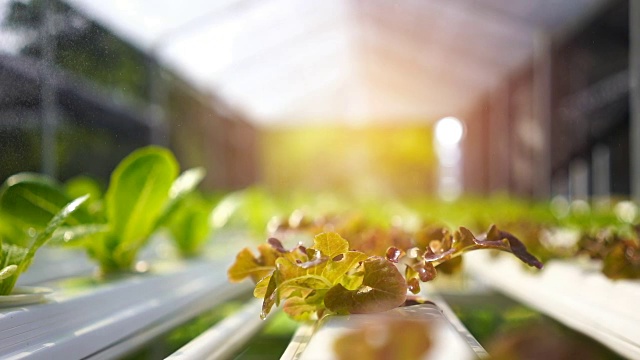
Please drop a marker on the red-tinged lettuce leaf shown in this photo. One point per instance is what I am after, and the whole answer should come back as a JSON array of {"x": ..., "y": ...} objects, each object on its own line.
[
  {"x": 305, "y": 309},
  {"x": 393, "y": 254},
  {"x": 299, "y": 281},
  {"x": 247, "y": 265},
  {"x": 302, "y": 281},
  {"x": 276, "y": 245},
  {"x": 339, "y": 266},
  {"x": 383, "y": 288},
  {"x": 291, "y": 270},
  {"x": 261, "y": 287},
  {"x": 443, "y": 253},
  {"x": 504, "y": 241},
  {"x": 352, "y": 280},
  {"x": 452, "y": 266},
  {"x": 425, "y": 270},
  {"x": 298, "y": 309},
  {"x": 413, "y": 284},
  {"x": 257, "y": 267},
  {"x": 270, "y": 294},
  {"x": 623, "y": 261},
  {"x": 451, "y": 246}
]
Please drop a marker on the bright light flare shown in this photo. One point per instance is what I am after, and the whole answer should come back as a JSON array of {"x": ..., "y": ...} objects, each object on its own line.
[{"x": 449, "y": 131}]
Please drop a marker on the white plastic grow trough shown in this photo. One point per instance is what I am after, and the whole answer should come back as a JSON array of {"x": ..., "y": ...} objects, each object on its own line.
[
  {"x": 314, "y": 341},
  {"x": 225, "y": 338},
  {"x": 448, "y": 341},
  {"x": 107, "y": 320},
  {"x": 577, "y": 295},
  {"x": 56, "y": 263}
]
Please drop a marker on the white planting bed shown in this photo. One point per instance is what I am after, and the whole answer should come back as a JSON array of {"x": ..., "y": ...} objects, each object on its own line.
[
  {"x": 107, "y": 320},
  {"x": 225, "y": 338},
  {"x": 450, "y": 340},
  {"x": 575, "y": 294}
]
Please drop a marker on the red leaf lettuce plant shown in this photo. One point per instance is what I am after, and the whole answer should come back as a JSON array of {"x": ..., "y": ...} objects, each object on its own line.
[{"x": 329, "y": 278}]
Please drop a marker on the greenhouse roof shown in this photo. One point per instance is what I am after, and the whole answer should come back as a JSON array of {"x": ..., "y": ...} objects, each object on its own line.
[{"x": 288, "y": 61}]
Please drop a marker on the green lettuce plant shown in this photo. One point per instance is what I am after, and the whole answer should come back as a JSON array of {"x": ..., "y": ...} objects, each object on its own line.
[
  {"x": 138, "y": 191},
  {"x": 249, "y": 209},
  {"x": 143, "y": 192},
  {"x": 27, "y": 199},
  {"x": 31, "y": 200},
  {"x": 190, "y": 225},
  {"x": 81, "y": 185}
]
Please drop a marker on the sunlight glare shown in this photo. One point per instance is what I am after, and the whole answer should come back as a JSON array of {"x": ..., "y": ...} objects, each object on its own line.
[{"x": 449, "y": 131}]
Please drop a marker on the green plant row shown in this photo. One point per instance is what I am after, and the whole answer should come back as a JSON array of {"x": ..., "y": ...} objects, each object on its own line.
[
  {"x": 336, "y": 276},
  {"x": 145, "y": 194},
  {"x": 607, "y": 232}
]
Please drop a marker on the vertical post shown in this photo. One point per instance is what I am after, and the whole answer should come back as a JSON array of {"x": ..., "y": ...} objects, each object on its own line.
[
  {"x": 542, "y": 113},
  {"x": 48, "y": 102},
  {"x": 578, "y": 180},
  {"x": 560, "y": 185},
  {"x": 601, "y": 174},
  {"x": 158, "y": 128},
  {"x": 634, "y": 96},
  {"x": 498, "y": 140}
]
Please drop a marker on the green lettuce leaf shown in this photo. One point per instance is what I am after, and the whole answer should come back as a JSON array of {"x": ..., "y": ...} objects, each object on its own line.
[
  {"x": 33, "y": 199},
  {"x": 190, "y": 225},
  {"x": 74, "y": 235},
  {"x": 21, "y": 258},
  {"x": 138, "y": 192},
  {"x": 184, "y": 185}
]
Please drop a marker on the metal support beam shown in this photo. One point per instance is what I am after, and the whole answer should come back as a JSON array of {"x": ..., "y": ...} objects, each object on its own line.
[
  {"x": 158, "y": 94},
  {"x": 499, "y": 159},
  {"x": 49, "y": 102},
  {"x": 542, "y": 113},
  {"x": 634, "y": 96},
  {"x": 578, "y": 180},
  {"x": 601, "y": 173}
]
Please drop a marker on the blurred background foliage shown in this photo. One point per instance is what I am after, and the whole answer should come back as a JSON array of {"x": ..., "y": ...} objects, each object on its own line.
[{"x": 375, "y": 161}]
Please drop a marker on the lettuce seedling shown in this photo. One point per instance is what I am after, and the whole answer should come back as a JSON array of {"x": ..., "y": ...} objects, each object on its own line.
[
  {"x": 137, "y": 193},
  {"x": 142, "y": 195},
  {"x": 11, "y": 231},
  {"x": 28, "y": 201},
  {"x": 31, "y": 200},
  {"x": 33, "y": 207},
  {"x": 190, "y": 225},
  {"x": 328, "y": 278},
  {"x": 81, "y": 185},
  {"x": 15, "y": 259},
  {"x": 249, "y": 209},
  {"x": 323, "y": 279}
]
